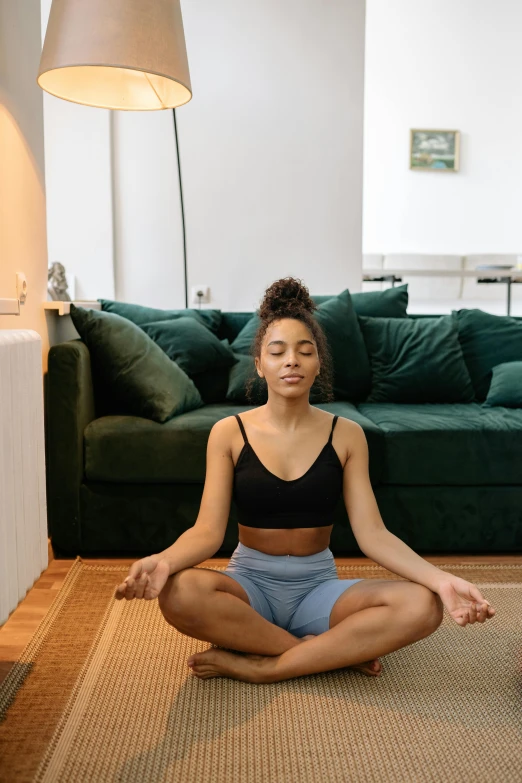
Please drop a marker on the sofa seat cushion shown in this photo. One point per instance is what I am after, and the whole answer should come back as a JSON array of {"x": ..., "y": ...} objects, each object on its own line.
[
  {"x": 449, "y": 444},
  {"x": 131, "y": 449}
]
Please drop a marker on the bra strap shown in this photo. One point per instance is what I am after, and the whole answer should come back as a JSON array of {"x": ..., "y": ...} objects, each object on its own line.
[
  {"x": 242, "y": 427},
  {"x": 333, "y": 425}
]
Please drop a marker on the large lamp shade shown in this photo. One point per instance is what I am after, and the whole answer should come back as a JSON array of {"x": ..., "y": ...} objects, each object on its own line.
[{"x": 116, "y": 54}]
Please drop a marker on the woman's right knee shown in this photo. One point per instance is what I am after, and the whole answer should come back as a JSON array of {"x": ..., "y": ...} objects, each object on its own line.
[{"x": 178, "y": 598}]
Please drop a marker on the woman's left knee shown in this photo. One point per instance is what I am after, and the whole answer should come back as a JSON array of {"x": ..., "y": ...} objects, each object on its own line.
[
  {"x": 429, "y": 608},
  {"x": 434, "y": 611}
]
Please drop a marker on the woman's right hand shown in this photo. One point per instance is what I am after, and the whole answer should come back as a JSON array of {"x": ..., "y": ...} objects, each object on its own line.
[{"x": 146, "y": 579}]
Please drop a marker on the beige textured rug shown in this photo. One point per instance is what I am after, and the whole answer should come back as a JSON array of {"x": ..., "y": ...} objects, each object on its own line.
[{"x": 103, "y": 693}]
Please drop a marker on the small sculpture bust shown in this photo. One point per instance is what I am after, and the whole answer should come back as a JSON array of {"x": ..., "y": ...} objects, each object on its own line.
[{"x": 57, "y": 283}]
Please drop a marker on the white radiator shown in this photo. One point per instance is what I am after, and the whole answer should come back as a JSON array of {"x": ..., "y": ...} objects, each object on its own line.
[{"x": 23, "y": 506}]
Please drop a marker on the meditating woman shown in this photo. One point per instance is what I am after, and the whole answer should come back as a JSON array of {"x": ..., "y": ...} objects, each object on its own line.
[{"x": 279, "y": 610}]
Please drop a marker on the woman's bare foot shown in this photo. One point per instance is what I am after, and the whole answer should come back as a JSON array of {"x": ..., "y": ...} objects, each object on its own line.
[
  {"x": 371, "y": 668},
  {"x": 223, "y": 662}
]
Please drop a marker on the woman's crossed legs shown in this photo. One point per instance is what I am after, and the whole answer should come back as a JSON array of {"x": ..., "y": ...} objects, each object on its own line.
[{"x": 371, "y": 617}]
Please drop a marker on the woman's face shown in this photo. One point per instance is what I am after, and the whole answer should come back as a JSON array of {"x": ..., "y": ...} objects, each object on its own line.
[{"x": 288, "y": 348}]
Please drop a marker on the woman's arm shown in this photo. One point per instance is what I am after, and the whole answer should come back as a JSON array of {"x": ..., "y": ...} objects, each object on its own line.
[
  {"x": 201, "y": 541},
  {"x": 374, "y": 539}
]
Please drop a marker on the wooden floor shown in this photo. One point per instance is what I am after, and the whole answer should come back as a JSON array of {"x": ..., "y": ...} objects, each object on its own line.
[{"x": 24, "y": 620}]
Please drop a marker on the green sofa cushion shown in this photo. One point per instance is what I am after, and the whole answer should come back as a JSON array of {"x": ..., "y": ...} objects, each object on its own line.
[
  {"x": 506, "y": 386},
  {"x": 460, "y": 444},
  {"x": 213, "y": 384},
  {"x": 232, "y": 323},
  {"x": 244, "y": 339},
  {"x": 487, "y": 340},
  {"x": 416, "y": 360},
  {"x": 136, "y": 374},
  {"x": 239, "y": 375},
  {"x": 351, "y": 367},
  {"x": 390, "y": 303},
  {"x": 191, "y": 345},
  {"x": 136, "y": 450},
  {"x": 139, "y": 314}
]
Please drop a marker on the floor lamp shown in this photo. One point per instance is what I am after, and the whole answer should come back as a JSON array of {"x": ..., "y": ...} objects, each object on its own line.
[
  {"x": 128, "y": 55},
  {"x": 182, "y": 209}
]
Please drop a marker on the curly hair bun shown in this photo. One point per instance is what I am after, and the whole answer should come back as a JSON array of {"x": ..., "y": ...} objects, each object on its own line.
[{"x": 286, "y": 297}]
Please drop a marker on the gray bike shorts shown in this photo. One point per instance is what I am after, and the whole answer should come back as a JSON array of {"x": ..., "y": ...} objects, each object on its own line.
[{"x": 295, "y": 592}]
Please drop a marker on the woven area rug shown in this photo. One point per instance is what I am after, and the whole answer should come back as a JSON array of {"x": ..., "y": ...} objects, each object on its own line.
[{"x": 103, "y": 693}]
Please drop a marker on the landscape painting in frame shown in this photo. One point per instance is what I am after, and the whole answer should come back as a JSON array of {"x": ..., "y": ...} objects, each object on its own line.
[{"x": 434, "y": 150}]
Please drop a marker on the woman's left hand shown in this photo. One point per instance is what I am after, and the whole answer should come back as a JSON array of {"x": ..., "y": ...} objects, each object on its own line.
[{"x": 464, "y": 601}]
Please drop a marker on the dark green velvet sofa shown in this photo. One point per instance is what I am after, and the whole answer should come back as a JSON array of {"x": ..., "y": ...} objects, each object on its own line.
[{"x": 447, "y": 477}]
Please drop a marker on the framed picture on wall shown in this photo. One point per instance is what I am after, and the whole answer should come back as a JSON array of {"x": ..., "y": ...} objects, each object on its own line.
[{"x": 434, "y": 150}]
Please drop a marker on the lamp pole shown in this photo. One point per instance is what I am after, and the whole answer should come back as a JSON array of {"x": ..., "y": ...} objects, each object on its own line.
[{"x": 182, "y": 210}]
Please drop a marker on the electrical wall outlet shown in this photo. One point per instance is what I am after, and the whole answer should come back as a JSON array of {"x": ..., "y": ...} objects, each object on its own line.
[
  {"x": 21, "y": 287},
  {"x": 200, "y": 293}
]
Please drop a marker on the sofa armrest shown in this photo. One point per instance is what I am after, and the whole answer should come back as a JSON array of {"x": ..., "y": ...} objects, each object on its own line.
[{"x": 70, "y": 408}]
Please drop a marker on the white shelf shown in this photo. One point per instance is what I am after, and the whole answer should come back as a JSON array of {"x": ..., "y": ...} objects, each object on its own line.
[
  {"x": 64, "y": 308},
  {"x": 513, "y": 273}
]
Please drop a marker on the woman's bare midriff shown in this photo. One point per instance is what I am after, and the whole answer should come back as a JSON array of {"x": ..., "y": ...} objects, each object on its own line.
[{"x": 298, "y": 541}]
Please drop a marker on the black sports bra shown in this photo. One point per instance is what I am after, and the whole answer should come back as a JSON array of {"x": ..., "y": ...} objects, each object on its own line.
[{"x": 265, "y": 500}]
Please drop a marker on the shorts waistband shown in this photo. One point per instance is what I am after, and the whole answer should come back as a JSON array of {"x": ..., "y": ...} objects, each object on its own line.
[{"x": 325, "y": 554}]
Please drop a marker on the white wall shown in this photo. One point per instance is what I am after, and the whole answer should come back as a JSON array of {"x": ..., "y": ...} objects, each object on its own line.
[
  {"x": 450, "y": 65},
  {"x": 23, "y": 245},
  {"x": 148, "y": 258},
  {"x": 271, "y": 151},
  {"x": 78, "y": 172},
  {"x": 271, "y": 158}
]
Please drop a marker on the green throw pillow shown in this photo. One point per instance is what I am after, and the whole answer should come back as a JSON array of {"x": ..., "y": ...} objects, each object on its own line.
[
  {"x": 390, "y": 303},
  {"x": 416, "y": 360},
  {"x": 212, "y": 384},
  {"x": 140, "y": 377},
  {"x": 245, "y": 337},
  {"x": 506, "y": 386},
  {"x": 237, "y": 379},
  {"x": 487, "y": 340},
  {"x": 190, "y": 344},
  {"x": 351, "y": 366},
  {"x": 338, "y": 319},
  {"x": 142, "y": 315}
]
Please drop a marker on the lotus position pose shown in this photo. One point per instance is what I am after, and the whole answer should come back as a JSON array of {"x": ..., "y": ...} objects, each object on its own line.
[{"x": 279, "y": 610}]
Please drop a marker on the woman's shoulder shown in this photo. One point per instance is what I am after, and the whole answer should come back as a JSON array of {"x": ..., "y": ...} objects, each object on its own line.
[
  {"x": 348, "y": 425},
  {"x": 231, "y": 425}
]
